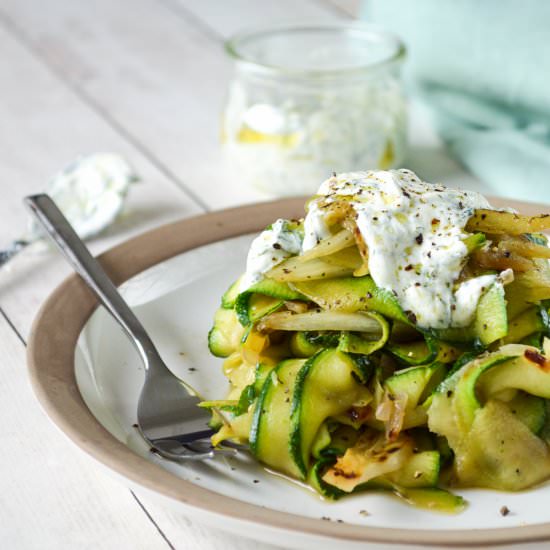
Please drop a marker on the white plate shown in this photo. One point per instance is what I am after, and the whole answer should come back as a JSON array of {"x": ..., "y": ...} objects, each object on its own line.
[{"x": 175, "y": 300}]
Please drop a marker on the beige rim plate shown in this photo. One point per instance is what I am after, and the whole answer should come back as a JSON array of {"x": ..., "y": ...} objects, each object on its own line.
[{"x": 51, "y": 356}]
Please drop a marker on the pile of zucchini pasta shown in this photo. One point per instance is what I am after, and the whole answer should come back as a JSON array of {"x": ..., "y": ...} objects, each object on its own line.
[{"x": 334, "y": 384}]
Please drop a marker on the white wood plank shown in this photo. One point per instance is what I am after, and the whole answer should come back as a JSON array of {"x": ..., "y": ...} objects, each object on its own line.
[
  {"x": 184, "y": 534},
  {"x": 237, "y": 15},
  {"x": 52, "y": 495},
  {"x": 44, "y": 125},
  {"x": 152, "y": 71},
  {"x": 159, "y": 77}
]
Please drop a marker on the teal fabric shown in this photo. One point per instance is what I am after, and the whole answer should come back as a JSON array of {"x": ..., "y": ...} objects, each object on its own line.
[{"x": 483, "y": 66}]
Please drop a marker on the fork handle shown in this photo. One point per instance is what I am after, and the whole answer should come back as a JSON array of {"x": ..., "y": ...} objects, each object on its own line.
[{"x": 77, "y": 254}]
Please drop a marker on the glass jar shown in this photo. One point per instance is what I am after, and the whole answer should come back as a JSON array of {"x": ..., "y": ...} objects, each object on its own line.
[{"x": 309, "y": 100}]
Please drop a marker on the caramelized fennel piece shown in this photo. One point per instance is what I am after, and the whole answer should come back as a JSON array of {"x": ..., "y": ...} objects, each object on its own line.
[
  {"x": 294, "y": 270},
  {"x": 533, "y": 285},
  {"x": 339, "y": 241},
  {"x": 524, "y": 247},
  {"x": 338, "y": 211},
  {"x": 351, "y": 226},
  {"x": 496, "y": 257},
  {"x": 296, "y": 306},
  {"x": 372, "y": 456},
  {"x": 335, "y": 256},
  {"x": 348, "y": 257},
  {"x": 320, "y": 320},
  {"x": 391, "y": 411},
  {"x": 507, "y": 223}
]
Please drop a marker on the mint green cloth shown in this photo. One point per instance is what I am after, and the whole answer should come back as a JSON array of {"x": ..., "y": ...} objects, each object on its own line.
[{"x": 483, "y": 66}]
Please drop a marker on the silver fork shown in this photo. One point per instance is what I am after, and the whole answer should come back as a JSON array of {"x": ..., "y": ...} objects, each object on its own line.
[{"x": 168, "y": 416}]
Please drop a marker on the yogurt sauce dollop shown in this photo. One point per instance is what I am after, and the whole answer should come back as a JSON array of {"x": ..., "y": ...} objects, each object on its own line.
[
  {"x": 270, "y": 248},
  {"x": 414, "y": 232}
]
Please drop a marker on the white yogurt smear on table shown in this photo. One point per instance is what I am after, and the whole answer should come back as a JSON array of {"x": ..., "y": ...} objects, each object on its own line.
[
  {"x": 90, "y": 192},
  {"x": 414, "y": 232}
]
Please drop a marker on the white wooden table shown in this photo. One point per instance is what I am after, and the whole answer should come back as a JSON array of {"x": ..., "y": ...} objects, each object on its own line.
[{"x": 144, "y": 78}]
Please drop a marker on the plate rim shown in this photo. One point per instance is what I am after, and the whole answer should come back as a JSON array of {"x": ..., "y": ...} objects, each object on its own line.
[{"x": 50, "y": 358}]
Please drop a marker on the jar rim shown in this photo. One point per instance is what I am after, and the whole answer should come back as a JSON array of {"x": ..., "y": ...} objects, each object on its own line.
[{"x": 234, "y": 47}]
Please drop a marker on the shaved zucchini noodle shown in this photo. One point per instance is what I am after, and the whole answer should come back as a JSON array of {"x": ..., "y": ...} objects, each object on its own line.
[{"x": 334, "y": 384}]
